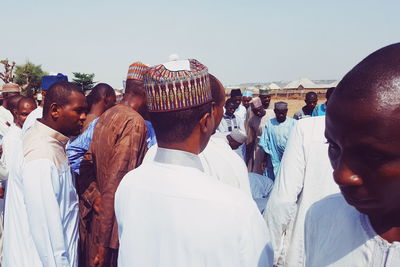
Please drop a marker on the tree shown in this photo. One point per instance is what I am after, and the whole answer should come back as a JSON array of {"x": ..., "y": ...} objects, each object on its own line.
[
  {"x": 29, "y": 76},
  {"x": 7, "y": 76},
  {"x": 85, "y": 80}
]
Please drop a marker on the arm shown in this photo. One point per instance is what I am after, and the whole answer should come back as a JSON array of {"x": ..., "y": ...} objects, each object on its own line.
[
  {"x": 41, "y": 186},
  {"x": 264, "y": 140},
  {"x": 127, "y": 154},
  {"x": 282, "y": 204}
]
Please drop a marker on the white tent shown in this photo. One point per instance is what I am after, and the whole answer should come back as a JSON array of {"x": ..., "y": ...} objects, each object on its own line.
[{"x": 306, "y": 83}]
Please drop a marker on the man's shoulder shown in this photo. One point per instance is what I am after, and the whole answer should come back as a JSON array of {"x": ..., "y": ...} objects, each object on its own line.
[
  {"x": 331, "y": 209},
  {"x": 120, "y": 114},
  {"x": 181, "y": 182}
]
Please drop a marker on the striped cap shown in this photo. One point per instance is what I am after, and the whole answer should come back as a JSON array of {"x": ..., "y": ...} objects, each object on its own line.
[{"x": 136, "y": 71}]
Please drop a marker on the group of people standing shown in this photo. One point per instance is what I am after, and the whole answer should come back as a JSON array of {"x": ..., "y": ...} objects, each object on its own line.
[{"x": 168, "y": 175}]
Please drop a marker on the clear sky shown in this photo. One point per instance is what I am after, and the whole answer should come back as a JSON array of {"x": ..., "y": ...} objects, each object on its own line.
[{"x": 240, "y": 41}]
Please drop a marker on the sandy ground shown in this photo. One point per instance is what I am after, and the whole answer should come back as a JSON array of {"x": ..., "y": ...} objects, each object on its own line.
[{"x": 293, "y": 104}]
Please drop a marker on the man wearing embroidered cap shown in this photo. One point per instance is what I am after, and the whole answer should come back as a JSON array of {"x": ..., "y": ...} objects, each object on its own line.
[
  {"x": 265, "y": 96},
  {"x": 255, "y": 125},
  {"x": 246, "y": 98},
  {"x": 274, "y": 137},
  {"x": 134, "y": 81},
  {"x": 169, "y": 203},
  {"x": 118, "y": 146}
]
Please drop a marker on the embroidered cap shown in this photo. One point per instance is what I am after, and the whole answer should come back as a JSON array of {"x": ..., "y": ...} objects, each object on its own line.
[
  {"x": 136, "y": 71},
  {"x": 281, "y": 105},
  {"x": 256, "y": 102},
  {"x": 177, "y": 85}
]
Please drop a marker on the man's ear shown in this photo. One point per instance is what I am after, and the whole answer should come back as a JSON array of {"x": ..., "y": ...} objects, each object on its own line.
[
  {"x": 55, "y": 110},
  {"x": 206, "y": 122}
]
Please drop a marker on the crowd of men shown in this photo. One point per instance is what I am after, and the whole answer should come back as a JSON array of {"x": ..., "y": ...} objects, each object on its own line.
[{"x": 175, "y": 174}]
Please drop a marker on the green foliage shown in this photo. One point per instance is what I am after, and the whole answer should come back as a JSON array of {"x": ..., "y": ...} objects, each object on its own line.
[
  {"x": 85, "y": 80},
  {"x": 29, "y": 76}
]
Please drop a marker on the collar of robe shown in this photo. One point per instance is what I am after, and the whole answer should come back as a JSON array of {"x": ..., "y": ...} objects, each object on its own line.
[
  {"x": 178, "y": 157},
  {"x": 47, "y": 131}
]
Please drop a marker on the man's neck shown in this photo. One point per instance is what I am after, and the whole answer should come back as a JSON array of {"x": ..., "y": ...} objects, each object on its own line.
[
  {"x": 307, "y": 110},
  {"x": 386, "y": 227},
  {"x": 96, "y": 110}
]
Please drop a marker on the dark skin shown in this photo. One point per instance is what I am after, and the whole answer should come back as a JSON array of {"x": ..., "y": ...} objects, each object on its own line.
[
  {"x": 280, "y": 114},
  {"x": 238, "y": 100},
  {"x": 365, "y": 159},
  {"x": 98, "y": 108},
  {"x": 67, "y": 119},
  {"x": 25, "y": 107},
  {"x": 311, "y": 102},
  {"x": 259, "y": 112},
  {"x": 218, "y": 108},
  {"x": 246, "y": 101},
  {"x": 232, "y": 143},
  {"x": 229, "y": 108},
  {"x": 265, "y": 100}
]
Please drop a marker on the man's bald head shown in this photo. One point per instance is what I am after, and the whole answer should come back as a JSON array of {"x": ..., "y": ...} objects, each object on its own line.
[
  {"x": 377, "y": 78},
  {"x": 24, "y": 107}
]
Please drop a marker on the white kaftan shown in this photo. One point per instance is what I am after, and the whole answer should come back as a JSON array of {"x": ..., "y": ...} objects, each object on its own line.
[
  {"x": 336, "y": 234},
  {"x": 170, "y": 213},
  {"x": 6, "y": 120},
  {"x": 50, "y": 197},
  {"x": 32, "y": 117},
  {"x": 220, "y": 161},
  {"x": 305, "y": 177}
]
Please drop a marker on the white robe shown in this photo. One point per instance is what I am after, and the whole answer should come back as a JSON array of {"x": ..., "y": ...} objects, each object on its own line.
[
  {"x": 337, "y": 235},
  {"x": 51, "y": 203},
  {"x": 32, "y": 117},
  {"x": 305, "y": 177},
  {"x": 219, "y": 161},
  {"x": 170, "y": 213},
  {"x": 241, "y": 112},
  {"x": 6, "y": 120}
]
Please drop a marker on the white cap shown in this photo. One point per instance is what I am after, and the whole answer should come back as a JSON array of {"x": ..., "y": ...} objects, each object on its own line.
[{"x": 239, "y": 136}]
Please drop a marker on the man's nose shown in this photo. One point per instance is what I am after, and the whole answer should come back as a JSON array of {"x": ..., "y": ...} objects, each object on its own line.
[{"x": 345, "y": 176}]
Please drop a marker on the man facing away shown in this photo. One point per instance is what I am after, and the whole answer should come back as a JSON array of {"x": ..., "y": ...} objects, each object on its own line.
[
  {"x": 46, "y": 212},
  {"x": 361, "y": 226},
  {"x": 169, "y": 212},
  {"x": 274, "y": 137},
  {"x": 306, "y": 111},
  {"x": 118, "y": 146}
]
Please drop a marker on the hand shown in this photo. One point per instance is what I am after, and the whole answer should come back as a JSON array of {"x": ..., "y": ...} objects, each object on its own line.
[
  {"x": 100, "y": 256},
  {"x": 96, "y": 205}
]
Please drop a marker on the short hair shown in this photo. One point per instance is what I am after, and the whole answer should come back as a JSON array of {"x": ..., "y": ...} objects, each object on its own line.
[
  {"x": 329, "y": 92},
  {"x": 135, "y": 87},
  {"x": 311, "y": 95},
  {"x": 177, "y": 126},
  {"x": 25, "y": 99},
  {"x": 59, "y": 93},
  {"x": 230, "y": 101},
  {"x": 216, "y": 90},
  {"x": 98, "y": 93},
  {"x": 12, "y": 102}
]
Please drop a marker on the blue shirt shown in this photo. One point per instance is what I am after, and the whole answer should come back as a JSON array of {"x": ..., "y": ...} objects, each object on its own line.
[
  {"x": 273, "y": 141},
  {"x": 79, "y": 146},
  {"x": 319, "y": 110},
  {"x": 151, "y": 135}
]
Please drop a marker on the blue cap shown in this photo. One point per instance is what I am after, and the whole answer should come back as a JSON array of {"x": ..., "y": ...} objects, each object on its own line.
[
  {"x": 49, "y": 80},
  {"x": 248, "y": 93}
]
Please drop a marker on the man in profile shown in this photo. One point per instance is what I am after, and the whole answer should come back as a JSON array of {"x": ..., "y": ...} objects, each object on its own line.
[
  {"x": 46, "y": 220},
  {"x": 361, "y": 226}
]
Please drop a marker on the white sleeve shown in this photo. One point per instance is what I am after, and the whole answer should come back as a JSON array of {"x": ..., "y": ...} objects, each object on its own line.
[
  {"x": 41, "y": 185},
  {"x": 282, "y": 204},
  {"x": 256, "y": 246}
]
